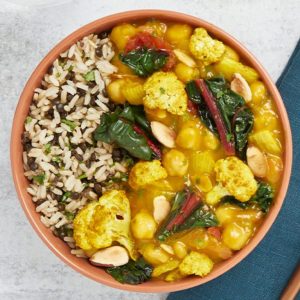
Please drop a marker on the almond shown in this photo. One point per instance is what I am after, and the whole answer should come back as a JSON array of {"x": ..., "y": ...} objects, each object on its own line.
[
  {"x": 163, "y": 134},
  {"x": 110, "y": 257},
  {"x": 240, "y": 86},
  {"x": 184, "y": 58},
  {"x": 257, "y": 161},
  {"x": 161, "y": 208}
]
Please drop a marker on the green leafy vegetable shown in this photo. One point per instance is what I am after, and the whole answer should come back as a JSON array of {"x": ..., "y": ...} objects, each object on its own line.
[
  {"x": 39, "y": 178},
  {"x": 203, "y": 111},
  {"x": 69, "y": 123},
  {"x": 56, "y": 159},
  {"x": 237, "y": 118},
  {"x": 70, "y": 216},
  {"x": 163, "y": 233},
  {"x": 65, "y": 196},
  {"x": 144, "y": 61},
  {"x": 136, "y": 114},
  {"x": 227, "y": 100},
  {"x": 123, "y": 134},
  {"x": 263, "y": 198},
  {"x": 28, "y": 120},
  {"x": 201, "y": 217},
  {"x": 242, "y": 125},
  {"x": 120, "y": 127},
  {"x": 89, "y": 76},
  {"x": 232, "y": 200},
  {"x": 47, "y": 148},
  {"x": 82, "y": 176},
  {"x": 134, "y": 272},
  {"x": 187, "y": 212}
]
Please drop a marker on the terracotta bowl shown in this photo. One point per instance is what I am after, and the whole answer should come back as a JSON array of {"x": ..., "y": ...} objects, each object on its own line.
[{"x": 60, "y": 248}]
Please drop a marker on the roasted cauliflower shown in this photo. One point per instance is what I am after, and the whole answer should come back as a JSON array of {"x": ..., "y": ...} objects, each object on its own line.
[
  {"x": 101, "y": 223},
  {"x": 146, "y": 172},
  {"x": 235, "y": 177},
  {"x": 205, "y": 48},
  {"x": 164, "y": 91},
  {"x": 196, "y": 263}
]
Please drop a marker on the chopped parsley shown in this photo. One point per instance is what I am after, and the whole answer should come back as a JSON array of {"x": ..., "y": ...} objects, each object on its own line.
[
  {"x": 89, "y": 76},
  {"x": 39, "y": 178},
  {"x": 69, "y": 123}
]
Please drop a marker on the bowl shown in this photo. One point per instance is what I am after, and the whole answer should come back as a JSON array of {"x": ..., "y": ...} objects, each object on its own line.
[{"x": 57, "y": 246}]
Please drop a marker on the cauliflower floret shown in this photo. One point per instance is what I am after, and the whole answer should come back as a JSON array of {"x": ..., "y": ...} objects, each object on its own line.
[
  {"x": 146, "y": 172},
  {"x": 165, "y": 91},
  {"x": 101, "y": 223},
  {"x": 196, "y": 263},
  {"x": 205, "y": 48},
  {"x": 216, "y": 194},
  {"x": 236, "y": 177}
]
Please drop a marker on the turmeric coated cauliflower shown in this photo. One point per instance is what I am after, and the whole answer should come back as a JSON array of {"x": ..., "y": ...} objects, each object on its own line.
[
  {"x": 196, "y": 263},
  {"x": 101, "y": 223},
  {"x": 146, "y": 172},
  {"x": 205, "y": 48},
  {"x": 235, "y": 177},
  {"x": 165, "y": 91}
]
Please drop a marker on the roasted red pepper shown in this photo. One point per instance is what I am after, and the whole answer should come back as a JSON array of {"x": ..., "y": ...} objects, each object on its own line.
[{"x": 145, "y": 39}]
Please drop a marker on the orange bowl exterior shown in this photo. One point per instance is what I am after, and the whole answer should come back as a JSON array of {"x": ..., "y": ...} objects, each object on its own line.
[{"x": 57, "y": 246}]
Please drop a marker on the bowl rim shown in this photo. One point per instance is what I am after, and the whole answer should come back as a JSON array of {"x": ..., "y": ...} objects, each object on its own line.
[{"x": 16, "y": 150}]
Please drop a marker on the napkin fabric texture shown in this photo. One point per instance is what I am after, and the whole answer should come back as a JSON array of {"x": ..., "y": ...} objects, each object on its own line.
[{"x": 265, "y": 272}]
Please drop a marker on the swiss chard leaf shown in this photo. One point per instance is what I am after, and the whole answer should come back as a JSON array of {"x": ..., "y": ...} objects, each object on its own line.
[
  {"x": 144, "y": 61},
  {"x": 242, "y": 125},
  {"x": 136, "y": 114},
  {"x": 203, "y": 111},
  {"x": 263, "y": 198},
  {"x": 232, "y": 200},
  {"x": 227, "y": 100},
  {"x": 123, "y": 134},
  {"x": 107, "y": 119},
  {"x": 201, "y": 217},
  {"x": 163, "y": 233},
  {"x": 134, "y": 272}
]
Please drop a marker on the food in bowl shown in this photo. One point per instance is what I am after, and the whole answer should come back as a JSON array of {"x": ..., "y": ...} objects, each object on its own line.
[{"x": 152, "y": 151}]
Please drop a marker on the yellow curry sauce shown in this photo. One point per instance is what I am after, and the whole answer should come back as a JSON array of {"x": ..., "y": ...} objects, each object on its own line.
[{"x": 192, "y": 161}]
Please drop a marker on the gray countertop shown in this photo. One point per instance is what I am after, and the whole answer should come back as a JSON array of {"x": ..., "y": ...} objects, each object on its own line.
[{"x": 28, "y": 269}]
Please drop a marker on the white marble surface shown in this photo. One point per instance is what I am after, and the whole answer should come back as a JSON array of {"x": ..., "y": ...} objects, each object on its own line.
[{"x": 28, "y": 270}]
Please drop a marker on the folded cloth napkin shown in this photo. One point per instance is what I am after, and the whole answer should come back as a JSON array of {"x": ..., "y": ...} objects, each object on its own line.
[{"x": 266, "y": 271}]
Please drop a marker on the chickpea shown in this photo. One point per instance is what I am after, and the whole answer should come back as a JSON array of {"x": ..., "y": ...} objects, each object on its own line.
[
  {"x": 189, "y": 138},
  {"x": 176, "y": 33},
  {"x": 122, "y": 68},
  {"x": 205, "y": 183},
  {"x": 154, "y": 255},
  {"x": 211, "y": 142},
  {"x": 275, "y": 167},
  {"x": 121, "y": 34},
  {"x": 143, "y": 226},
  {"x": 236, "y": 236},
  {"x": 226, "y": 213},
  {"x": 114, "y": 91},
  {"x": 186, "y": 73},
  {"x": 230, "y": 53},
  {"x": 180, "y": 249},
  {"x": 259, "y": 92},
  {"x": 268, "y": 121},
  {"x": 175, "y": 163}
]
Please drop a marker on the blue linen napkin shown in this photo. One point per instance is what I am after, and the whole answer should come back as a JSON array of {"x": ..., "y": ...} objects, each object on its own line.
[{"x": 266, "y": 271}]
